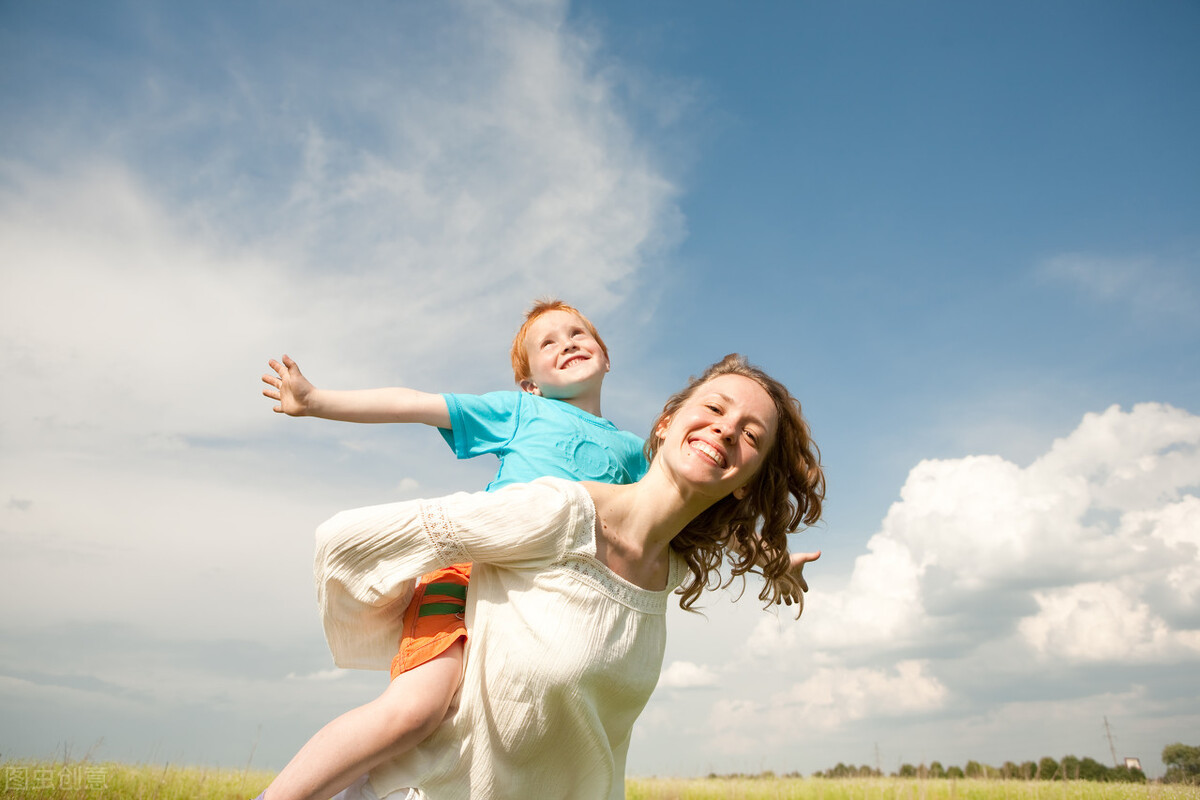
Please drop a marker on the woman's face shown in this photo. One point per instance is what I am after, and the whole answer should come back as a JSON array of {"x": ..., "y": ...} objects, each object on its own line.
[{"x": 718, "y": 439}]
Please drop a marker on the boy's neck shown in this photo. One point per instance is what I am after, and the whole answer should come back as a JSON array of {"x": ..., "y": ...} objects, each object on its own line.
[
  {"x": 589, "y": 402},
  {"x": 590, "y": 405}
]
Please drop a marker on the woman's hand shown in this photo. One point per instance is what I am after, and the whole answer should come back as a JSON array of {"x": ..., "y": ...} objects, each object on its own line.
[
  {"x": 796, "y": 570},
  {"x": 289, "y": 387}
]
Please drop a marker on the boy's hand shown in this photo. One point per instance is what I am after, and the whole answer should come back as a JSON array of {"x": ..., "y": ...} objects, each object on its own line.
[
  {"x": 289, "y": 387},
  {"x": 797, "y": 571}
]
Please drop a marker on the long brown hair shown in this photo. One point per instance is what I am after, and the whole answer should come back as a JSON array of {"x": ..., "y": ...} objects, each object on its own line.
[{"x": 752, "y": 532}]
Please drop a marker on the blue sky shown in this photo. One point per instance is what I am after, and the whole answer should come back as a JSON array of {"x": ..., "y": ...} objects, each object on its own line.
[{"x": 966, "y": 235}]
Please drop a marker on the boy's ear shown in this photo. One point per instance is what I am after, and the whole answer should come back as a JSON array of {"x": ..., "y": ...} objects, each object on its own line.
[{"x": 531, "y": 387}]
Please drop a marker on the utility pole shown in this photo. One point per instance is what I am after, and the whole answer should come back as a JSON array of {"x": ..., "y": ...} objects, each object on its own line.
[{"x": 1111, "y": 748}]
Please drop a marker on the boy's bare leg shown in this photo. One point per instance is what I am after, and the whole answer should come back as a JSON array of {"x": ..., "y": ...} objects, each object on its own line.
[{"x": 411, "y": 707}]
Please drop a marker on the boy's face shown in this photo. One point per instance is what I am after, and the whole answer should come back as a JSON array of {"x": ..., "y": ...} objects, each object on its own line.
[{"x": 565, "y": 360}]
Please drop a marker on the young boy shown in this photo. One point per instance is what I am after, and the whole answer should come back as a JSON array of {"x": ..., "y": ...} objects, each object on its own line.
[{"x": 552, "y": 427}]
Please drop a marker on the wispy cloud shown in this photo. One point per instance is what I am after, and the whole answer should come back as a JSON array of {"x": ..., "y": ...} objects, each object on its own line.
[
  {"x": 383, "y": 209},
  {"x": 1149, "y": 286},
  {"x": 826, "y": 700}
]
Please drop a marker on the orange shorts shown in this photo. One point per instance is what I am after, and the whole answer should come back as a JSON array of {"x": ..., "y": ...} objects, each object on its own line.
[{"x": 434, "y": 619}]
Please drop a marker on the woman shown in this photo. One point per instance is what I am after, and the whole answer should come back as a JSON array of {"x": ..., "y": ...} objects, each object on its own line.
[{"x": 570, "y": 588}]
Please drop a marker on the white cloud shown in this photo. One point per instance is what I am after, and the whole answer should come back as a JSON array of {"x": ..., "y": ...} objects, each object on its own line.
[
  {"x": 135, "y": 303},
  {"x": 832, "y": 697},
  {"x": 1128, "y": 461},
  {"x": 686, "y": 675},
  {"x": 1067, "y": 555},
  {"x": 827, "y": 700},
  {"x": 1102, "y": 622},
  {"x": 1151, "y": 287},
  {"x": 122, "y": 331},
  {"x": 1176, "y": 527}
]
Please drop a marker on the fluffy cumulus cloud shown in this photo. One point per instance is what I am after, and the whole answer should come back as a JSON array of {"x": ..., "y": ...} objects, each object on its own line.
[
  {"x": 1101, "y": 622},
  {"x": 831, "y": 696},
  {"x": 1061, "y": 578},
  {"x": 1069, "y": 555}
]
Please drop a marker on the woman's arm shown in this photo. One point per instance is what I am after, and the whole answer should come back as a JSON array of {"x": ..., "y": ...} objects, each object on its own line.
[{"x": 368, "y": 558}]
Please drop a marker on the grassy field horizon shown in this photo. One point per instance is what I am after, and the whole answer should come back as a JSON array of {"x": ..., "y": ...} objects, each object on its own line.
[{"x": 77, "y": 780}]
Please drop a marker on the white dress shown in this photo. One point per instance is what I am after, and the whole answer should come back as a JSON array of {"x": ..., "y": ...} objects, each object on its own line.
[{"x": 562, "y": 657}]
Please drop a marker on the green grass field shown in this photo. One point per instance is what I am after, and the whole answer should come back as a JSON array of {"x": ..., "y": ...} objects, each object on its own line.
[
  {"x": 28, "y": 780},
  {"x": 894, "y": 789}
]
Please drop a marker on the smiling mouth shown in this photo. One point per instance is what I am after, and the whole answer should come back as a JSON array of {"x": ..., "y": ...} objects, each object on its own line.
[
  {"x": 708, "y": 450},
  {"x": 572, "y": 361}
]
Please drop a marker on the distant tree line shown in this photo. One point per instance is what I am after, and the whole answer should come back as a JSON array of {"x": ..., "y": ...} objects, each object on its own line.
[
  {"x": 1047, "y": 769},
  {"x": 1183, "y": 766}
]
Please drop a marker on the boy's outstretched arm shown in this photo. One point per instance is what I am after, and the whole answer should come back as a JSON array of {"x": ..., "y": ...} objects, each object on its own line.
[{"x": 297, "y": 397}]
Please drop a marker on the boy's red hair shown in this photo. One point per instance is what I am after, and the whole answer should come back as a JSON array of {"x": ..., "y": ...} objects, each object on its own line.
[{"x": 520, "y": 355}]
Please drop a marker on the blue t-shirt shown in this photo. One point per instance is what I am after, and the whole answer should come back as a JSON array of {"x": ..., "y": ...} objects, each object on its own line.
[{"x": 535, "y": 437}]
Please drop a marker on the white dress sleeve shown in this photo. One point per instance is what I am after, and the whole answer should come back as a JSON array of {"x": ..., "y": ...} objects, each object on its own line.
[{"x": 368, "y": 559}]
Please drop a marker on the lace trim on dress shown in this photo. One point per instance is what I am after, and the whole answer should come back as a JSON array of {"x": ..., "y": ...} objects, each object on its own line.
[
  {"x": 589, "y": 570},
  {"x": 581, "y": 561},
  {"x": 602, "y": 579},
  {"x": 441, "y": 533}
]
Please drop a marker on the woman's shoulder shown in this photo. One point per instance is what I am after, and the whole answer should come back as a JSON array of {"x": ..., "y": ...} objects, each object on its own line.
[
  {"x": 547, "y": 488},
  {"x": 548, "y": 502}
]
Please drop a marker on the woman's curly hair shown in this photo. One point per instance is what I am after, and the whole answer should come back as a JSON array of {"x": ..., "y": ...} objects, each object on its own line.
[{"x": 786, "y": 492}]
